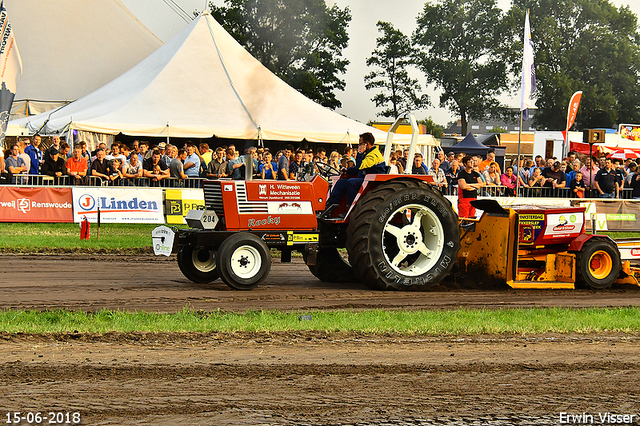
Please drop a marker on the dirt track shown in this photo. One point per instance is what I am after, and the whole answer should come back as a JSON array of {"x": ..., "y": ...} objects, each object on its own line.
[
  {"x": 299, "y": 378},
  {"x": 154, "y": 283}
]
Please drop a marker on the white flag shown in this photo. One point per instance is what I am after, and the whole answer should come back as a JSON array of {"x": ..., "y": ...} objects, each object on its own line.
[
  {"x": 528, "y": 70},
  {"x": 10, "y": 70}
]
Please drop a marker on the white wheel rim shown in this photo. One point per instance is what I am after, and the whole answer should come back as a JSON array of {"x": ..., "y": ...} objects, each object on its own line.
[
  {"x": 201, "y": 263},
  {"x": 246, "y": 262},
  {"x": 413, "y": 240}
]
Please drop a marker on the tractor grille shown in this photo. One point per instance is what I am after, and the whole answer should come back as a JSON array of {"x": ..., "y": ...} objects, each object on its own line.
[
  {"x": 245, "y": 206},
  {"x": 213, "y": 197}
]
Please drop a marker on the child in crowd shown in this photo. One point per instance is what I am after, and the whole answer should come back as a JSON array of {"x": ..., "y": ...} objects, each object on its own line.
[{"x": 577, "y": 185}]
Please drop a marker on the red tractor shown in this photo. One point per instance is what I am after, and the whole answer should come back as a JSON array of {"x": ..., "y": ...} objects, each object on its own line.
[{"x": 399, "y": 232}]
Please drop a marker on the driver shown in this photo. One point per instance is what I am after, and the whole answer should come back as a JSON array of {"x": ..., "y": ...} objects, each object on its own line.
[{"x": 368, "y": 161}]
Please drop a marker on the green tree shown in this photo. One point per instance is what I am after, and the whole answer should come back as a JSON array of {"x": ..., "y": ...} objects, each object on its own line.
[
  {"x": 391, "y": 58},
  {"x": 461, "y": 49},
  {"x": 301, "y": 41},
  {"x": 586, "y": 45},
  {"x": 436, "y": 130}
]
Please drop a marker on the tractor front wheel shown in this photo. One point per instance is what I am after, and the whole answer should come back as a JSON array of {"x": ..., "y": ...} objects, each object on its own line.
[
  {"x": 598, "y": 263},
  {"x": 244, "y": 260},
  {"x": 402, "y": 235},
  {"x": 198, "y": 264}
]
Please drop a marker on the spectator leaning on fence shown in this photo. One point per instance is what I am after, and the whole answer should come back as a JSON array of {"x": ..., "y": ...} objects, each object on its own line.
[
  {"x": 132, "y": 169},
  {"x": 508, "y": 180},
  {"x": 440, "y": 180},
  {"x": 577, "y": 186},
  {"x": 217, "y": 168},
  {"x": 100, "y": 167},
  {"x": 154, "y": 169},
  {"x": 452, "y": 177},
  {"x": 54, "y": 165},
  {"x": 77, "y": 166},
  {"x": 492, "y": 174},
  {"x": 235, "y": 166},
  {"x": 14, "y": 163},
  {"x": 555, "y": 178}
]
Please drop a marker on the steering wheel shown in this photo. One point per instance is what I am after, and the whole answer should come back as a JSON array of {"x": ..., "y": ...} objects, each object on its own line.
[{"x": 327, "y": 170}]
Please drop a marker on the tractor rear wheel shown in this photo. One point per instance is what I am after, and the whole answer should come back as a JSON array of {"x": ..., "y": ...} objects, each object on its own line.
[
  {"x": 244, "y": 260},
  {"x": 598, "y": 263},
  {"x": 401, "y": 235},
  {"x": 198, "y": 264},
  {"x": 331, "y": 267}
]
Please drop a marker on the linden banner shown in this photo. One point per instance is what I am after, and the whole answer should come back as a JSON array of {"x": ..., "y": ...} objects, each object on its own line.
[{"x": 129, "y": 205}]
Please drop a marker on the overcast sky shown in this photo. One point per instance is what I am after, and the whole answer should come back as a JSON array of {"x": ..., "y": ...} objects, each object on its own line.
[{"x": 356, "y": 100}]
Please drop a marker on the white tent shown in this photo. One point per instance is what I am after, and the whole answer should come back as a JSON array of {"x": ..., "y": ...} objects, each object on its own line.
[
  {"x": 70, "y": 48},
  {"x": 200, "y": 84}
]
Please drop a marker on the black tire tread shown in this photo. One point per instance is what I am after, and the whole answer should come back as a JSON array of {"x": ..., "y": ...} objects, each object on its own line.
[{"x": 359, "y": 225}]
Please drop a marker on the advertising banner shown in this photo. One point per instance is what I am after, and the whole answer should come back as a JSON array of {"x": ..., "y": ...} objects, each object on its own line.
[
  {"x": 613, "y": 215},
  {"x": 127, "y": 205},
  {"x": 178, "y": 202},
  {"x": 35, "y": 204}
]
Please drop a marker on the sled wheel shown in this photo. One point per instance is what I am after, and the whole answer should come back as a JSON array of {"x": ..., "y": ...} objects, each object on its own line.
[
  {"x": 402, "y": 235},
  {"x": 244, "y": 260},
  {"x": 331, "y": 267},
  {"x": 198, "y": 264},
  {"x": 598, "y": 263}
]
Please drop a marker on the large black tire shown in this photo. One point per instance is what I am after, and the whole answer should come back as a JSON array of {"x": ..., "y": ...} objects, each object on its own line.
[
  {"x": 402, "y": 235},
  {"x": 244, "y": 261},
  {"x": 331, "y": 267},
  {"x": 198, "y": 264},
  {"x": 598, "y": 264}
]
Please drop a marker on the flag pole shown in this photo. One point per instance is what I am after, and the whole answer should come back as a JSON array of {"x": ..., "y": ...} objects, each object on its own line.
[{"x": 518, "y": 157}]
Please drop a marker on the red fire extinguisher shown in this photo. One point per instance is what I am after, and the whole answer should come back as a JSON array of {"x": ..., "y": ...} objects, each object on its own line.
[{"x": 84, "y": 229}]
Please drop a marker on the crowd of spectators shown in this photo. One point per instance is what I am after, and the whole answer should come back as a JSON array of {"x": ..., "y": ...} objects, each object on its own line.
[{"x": 141, "y": 164}]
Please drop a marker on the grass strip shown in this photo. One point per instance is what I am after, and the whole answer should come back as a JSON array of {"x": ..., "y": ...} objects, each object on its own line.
[
  {"x": 454, "y": 322},
  {"x": 37, "y": 237}
]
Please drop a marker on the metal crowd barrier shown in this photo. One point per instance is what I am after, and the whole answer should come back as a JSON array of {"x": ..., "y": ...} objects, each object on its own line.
[
  {"x": 196, "y": 183},
  {"x": 43, "y": 180}
]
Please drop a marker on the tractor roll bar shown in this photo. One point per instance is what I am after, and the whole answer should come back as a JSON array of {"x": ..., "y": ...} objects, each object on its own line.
[{"x": 414, "y": 140}]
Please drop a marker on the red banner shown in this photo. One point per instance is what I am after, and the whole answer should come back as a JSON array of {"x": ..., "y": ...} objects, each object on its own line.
[
  {"x": 35, "y": 204},
  {"x": 573, "y": 109}
]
